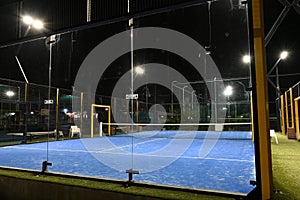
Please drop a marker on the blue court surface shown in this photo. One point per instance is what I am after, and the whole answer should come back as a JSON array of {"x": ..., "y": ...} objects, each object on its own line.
[{"x": 195, "y": 160}]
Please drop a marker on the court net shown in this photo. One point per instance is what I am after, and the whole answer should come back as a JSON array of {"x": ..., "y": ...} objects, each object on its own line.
[{"x": 231, "y": 131}]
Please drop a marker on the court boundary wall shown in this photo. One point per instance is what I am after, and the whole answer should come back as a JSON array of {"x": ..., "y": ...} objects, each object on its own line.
[{"x": 16, "y": 188}]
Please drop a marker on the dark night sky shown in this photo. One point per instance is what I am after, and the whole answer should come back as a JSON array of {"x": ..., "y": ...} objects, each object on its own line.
[{"x": 224, "y": 37}]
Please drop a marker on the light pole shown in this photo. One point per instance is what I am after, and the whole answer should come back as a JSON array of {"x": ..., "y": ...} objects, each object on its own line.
[
  {"x": 139, "y": 71},
  {"x": 36, "y": 24},
  {"x": 183, "y": 97},
  {"x": 193, "y": 93},
  {"x": 191, "y": 114},
  {"x": 172, "y": 97},
  {"x": 228, "y": 92},
  {"x": 247, "y": 60},
  {"x": 283, "y": 55},
  {"x": 148, "y": 95}
]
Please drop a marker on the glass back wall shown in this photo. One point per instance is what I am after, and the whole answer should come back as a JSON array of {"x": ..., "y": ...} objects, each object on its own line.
[{"x": 162, "y": 98}]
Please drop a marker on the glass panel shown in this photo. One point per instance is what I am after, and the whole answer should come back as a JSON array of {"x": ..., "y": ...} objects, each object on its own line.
[
  {"x": 26, "y": 124},
  {"x": 199, "y": 134}
]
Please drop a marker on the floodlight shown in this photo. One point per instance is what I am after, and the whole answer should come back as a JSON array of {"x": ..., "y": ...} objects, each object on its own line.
[
  {"x": 10, "y": 93},
  {"x": 139, "y": 70},
  {"x": 28, "y": 20},
  {"x": 38, "y": 24},
  {"x": 228, "y": 91},
  {"x": 283, "y": 55},
  {"x": 35, "y": 23},
  {"x": 246, "y": 59}
]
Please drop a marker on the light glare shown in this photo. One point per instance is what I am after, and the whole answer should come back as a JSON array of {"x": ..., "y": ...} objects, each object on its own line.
[
  {"x": 246, "y": 59},
  {"x": 139, "y": 70},
  {"x": 10, "y": 93},
  {"x": 35, "y": 23},
  {"x": 228, "y": 91},
  {"x": 283, "y": 55},
  {"x": 28, "y": 20},
  {"x": 38, "y": 24}
]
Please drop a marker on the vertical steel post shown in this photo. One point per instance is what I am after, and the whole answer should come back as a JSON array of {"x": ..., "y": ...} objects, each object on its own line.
[
  {"x": 286, "y": 111},
  {"x": 297, "y": 117},
  {"x": 56, "y": 113},
  {"x": 262, "y": 140},
  {"x": 292, "y": 107},
  {"x": 282, "y": 115}
]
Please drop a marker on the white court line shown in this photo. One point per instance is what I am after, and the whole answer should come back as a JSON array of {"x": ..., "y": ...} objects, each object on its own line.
[
  {"x": 129, "y": 145},
  {"x": 134, "y": 154},
  {"x": 74, "y": 150}
]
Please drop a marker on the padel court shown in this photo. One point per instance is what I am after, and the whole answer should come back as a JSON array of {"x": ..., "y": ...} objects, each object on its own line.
[
  {"x": 202, "y": 114},
  {"x": 213, "y": 161}
]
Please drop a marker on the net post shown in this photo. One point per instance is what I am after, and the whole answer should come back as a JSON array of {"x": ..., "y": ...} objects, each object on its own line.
[
  {"x": 100, "y": 129},
  {"x": 56, "y": 113}
]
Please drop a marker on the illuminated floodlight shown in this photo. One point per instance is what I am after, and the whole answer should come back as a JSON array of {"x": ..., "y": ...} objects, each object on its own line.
[
  {"x": 28, "y": 20},
  {"x": 38, "y": 24},
  {"x": 228, "y": 91},
  {"x": 10, "y": 93},
  {"x": 246, "y": 59},
  {"x": 31, "y": 22},
  {"x": 139, "y": 70},
  {"x": 283, "y": 55}
]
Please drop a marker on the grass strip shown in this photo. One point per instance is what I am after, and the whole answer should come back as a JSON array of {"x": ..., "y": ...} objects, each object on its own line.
[
  {"x": 110, "y": 186},
  {"x": 286, "y": 163}
]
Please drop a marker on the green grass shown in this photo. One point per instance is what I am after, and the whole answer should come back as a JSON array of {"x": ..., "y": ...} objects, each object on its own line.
[
  {"x": 3, "y": 144},
  {"x": 286, "y": 164}
]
